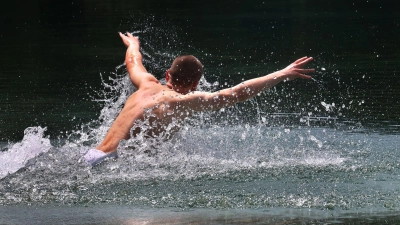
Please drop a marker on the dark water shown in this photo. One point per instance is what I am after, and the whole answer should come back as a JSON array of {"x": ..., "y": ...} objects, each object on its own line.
[
  {"x": 53, "y": 53},
  {"x": 319, "y": 151}
]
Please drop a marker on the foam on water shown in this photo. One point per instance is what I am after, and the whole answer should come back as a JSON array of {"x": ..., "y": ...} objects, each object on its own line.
[
  {"x": 207, "y": 153},
  {"x": 19, "y": 155}
]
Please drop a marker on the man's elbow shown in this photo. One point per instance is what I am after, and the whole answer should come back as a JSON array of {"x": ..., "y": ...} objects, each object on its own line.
[
  {"x": 228, "y": 100},
  {"x": 245, "y": 94},
  {"x": 238, "y": 97}
]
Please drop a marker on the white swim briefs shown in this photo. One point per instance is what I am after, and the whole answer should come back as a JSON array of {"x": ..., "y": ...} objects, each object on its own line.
[{"x": 94, "y": 156}]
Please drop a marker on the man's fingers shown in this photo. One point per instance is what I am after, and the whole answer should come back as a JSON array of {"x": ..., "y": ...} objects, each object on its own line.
[
  {"x": 304, "y": 61},
  {"x": 304, "y": 71},
  {"x": 301, "y": 59},
  {"x": 303, "y": 76}
]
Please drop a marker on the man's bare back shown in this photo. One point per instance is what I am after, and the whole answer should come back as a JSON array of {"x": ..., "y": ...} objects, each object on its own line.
[
  {"x": 155, "y": 104},
  {"x": 164, "y": 107}
]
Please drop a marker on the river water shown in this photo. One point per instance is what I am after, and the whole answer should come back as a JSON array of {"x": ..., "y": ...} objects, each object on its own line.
[{"x": 318, "y": 151}]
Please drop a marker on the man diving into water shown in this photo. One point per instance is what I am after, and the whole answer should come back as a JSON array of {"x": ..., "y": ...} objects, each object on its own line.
[{"x": 170, "y": 104}]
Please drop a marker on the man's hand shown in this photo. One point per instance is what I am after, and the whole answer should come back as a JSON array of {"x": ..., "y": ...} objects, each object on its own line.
[
  {"x": 133, "y": 60},
  {"x": 133, "y": 55},
  {"x": 129, "y": 40},
  {"x": 295, "y": 70}
]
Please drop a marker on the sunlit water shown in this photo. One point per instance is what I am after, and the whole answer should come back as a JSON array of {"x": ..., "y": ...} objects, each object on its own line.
[{"x": 236, "y": 158}]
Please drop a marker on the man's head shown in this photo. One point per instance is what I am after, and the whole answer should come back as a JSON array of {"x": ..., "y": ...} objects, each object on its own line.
[{"x": 185, "y": 72}]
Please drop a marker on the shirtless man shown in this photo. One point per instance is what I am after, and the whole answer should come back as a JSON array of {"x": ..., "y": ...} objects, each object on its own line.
[{"x": 162, "y": 105}]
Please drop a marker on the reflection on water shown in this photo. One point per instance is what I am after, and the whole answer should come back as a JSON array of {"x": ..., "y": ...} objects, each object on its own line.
[{"x": 116, "y": 214}]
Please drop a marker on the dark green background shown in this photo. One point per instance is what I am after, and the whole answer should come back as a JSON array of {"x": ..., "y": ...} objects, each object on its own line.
[{"x": 52, "y": 53}]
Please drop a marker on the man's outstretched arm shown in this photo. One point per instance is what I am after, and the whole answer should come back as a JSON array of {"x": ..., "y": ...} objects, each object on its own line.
[
  {"x": 202, "y": 101},
  {"x": 133, "y": 60},
  {"x": 252, "y": 87}
]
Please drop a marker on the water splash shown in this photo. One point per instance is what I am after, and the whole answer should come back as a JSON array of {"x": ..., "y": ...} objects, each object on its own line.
[
  {"x": 240, "y": 157},
  {"x": 19, "y": 155}
]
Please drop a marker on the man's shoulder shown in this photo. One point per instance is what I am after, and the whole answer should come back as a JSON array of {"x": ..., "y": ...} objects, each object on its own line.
[
  {"x": 191, "y": 97},
  {"x": 149, "y": 83}
]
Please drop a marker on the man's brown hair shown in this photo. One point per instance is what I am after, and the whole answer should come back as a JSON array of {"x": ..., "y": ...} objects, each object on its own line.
[{"x": 185, "y": 70}]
